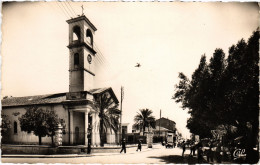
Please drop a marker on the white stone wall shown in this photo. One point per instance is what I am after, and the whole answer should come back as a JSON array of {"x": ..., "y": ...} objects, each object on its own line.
[
  {"x": 76, "y": 78},
  {"x": 79, "y": 121},
  {"x": 81, "y": 80},
  {"x": 29, "y": 138},
  {"x": 111, "y": 137}
]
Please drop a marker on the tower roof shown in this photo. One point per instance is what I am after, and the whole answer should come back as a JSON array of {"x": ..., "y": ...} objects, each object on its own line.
[{"x": 82, "y": 17}]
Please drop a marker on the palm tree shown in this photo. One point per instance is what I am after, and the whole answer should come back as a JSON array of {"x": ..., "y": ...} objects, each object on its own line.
[
  {"x": 111, "y": 121},
  {"x": 108, "y": 114},
  {"x": 144, "y": 119}
]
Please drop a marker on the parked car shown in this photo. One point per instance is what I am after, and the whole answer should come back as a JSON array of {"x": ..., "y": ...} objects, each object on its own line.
[{"x": 169, "y": 145}]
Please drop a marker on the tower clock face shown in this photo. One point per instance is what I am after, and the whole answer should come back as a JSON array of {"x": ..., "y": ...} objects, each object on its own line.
[{"x": 89, "y": 59}]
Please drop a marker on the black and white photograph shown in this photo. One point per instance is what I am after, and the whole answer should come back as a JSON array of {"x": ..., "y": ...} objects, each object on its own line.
[{"x": 153, "y": 82}]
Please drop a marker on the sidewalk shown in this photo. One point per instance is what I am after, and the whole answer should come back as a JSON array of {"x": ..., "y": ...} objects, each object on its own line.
[
  {"x": 45, "y": 156},
  {"x": 131, "y": 150}
]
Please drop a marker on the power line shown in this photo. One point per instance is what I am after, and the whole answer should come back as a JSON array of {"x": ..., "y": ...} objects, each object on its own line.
[
  {"x": 99, "y": 56},
  {"x": 82, "y": 34},
  {"x": 99, "y": 53},
  {"x": 63, "y": 10},
  {"x": 71, "y": 7},
  {"x": 55, "y": 9},
  {"x": 104, "y": 58},
  {"x": 68, "y": 8}
]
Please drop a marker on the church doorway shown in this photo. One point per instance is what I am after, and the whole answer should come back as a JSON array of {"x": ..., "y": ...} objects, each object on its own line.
[{"x": 77, "y": 135}]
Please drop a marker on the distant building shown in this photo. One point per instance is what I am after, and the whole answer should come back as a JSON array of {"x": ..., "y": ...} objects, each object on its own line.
[
  {"x": 125, "y": 128},
  {"x": 161, "y": 131},
  {"x": 166, "y": 123},
  {"x": 139, "y": 130},
  {"x": 135, "y": 129},
  {"x": 163, "y": 127}
]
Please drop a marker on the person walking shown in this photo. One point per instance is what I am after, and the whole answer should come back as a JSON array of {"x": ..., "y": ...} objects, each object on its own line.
[
  {"x": 210, "y": 152},
  {"x": 123, "y": 146},
  {"x": 192, "y": 148},
  {"x": 139, "y": 147},
  {"x": 89, "y": 147},
  {"x": 165, "y": 143},
  {"x": 218, "y": 151},
  {"x": 183, "y": 147},
  {"x": 199, "y": 148}
]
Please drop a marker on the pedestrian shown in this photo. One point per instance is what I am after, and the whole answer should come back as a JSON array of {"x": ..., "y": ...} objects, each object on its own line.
[
  {"x": 218, "y": 151},
  {"x": 183, "y": 147},
  {"x": 123, "y": 146},
  {"x": 250, "y": 143},
  {"x": 139, "y": 147},
  {"x": 162, "y": 143},
  {"x": 199, "y": 151},
  {"x": 232, "y": 149},
  {"x": 210, "y": 152},
  {"x": 89, "y": 147},
  {"x": 166, "y": 143},
  {"x": 192, "y": 148}
]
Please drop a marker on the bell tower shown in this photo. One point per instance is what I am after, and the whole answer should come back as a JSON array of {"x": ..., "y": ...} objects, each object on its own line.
[{"x": 81, "y": 54}]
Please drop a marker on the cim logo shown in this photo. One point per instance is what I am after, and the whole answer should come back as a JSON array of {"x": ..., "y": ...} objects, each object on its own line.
[{"x": 239, "y": 153}]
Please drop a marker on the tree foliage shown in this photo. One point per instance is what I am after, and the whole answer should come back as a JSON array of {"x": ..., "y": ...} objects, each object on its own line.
[
  {"x": 5, "y": 124},
  {"x": 42, "y": 122},
  {"x": 144, "y": 119},
  {"x": 108, "y": 114},
  {"x": 223, "y": 92}
]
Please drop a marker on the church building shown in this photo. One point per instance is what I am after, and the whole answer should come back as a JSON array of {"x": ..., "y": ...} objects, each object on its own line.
[{"x": 75, "y": 107}]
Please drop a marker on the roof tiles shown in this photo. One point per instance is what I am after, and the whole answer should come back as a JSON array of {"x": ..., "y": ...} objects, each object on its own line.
[{"x": 44, "y": 99}]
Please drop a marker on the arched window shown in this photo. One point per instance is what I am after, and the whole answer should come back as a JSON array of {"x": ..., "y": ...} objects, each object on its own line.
[
  {"x": 76, "y": 33},
  {"x": 15, "y": 127},
  {"x": 89, "y": 36},
  {"x": 76, "y": 59}
]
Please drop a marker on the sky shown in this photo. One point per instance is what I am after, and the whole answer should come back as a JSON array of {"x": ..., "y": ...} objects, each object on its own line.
[{"x": 164, "y": 37}]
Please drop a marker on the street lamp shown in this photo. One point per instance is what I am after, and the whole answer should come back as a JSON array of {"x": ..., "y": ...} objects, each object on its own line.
[{"x": 89, "y": 138}]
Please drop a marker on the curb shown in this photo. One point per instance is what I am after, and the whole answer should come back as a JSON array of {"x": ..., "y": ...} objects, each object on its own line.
[
  {"x": 72, "y": 155},
  {"x": 44, "y": 156}
]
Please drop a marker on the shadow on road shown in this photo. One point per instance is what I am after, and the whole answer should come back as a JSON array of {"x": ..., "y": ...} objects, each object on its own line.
[{"x": 178, "y": 159}]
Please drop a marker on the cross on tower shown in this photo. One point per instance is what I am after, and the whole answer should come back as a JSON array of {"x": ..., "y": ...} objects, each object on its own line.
[{"x": 82, "y": 9}]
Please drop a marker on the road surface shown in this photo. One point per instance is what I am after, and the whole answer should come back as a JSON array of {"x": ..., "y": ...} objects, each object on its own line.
[{"x": 158, "y": 155}]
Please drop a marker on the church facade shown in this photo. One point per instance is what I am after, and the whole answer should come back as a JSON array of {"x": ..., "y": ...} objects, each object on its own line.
[{"x": 77, "y": 107}]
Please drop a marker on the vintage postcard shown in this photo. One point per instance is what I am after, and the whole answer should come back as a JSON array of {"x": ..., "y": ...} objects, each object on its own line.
[{"x": 129, "y": 82}]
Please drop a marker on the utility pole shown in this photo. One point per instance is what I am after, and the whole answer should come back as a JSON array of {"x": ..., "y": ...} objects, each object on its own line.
[
  {"x": 122, "y": 97},
  {"x": 160, "y": 126},
  {"x": 82, "y": 10}
]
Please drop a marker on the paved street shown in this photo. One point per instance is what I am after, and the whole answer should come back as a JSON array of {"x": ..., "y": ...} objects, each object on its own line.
[{"x": 157, "y": 154}]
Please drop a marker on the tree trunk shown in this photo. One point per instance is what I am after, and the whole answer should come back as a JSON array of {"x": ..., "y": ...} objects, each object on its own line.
[
  {"x": 101, "y": 131},
  {"x": 116, "y": 136},
  {"x": 101, "y": 123},
  {"x": 40, "y": 140},
  {"x": 52, "y": 141},
  {"x": 143, "y": 129}
]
